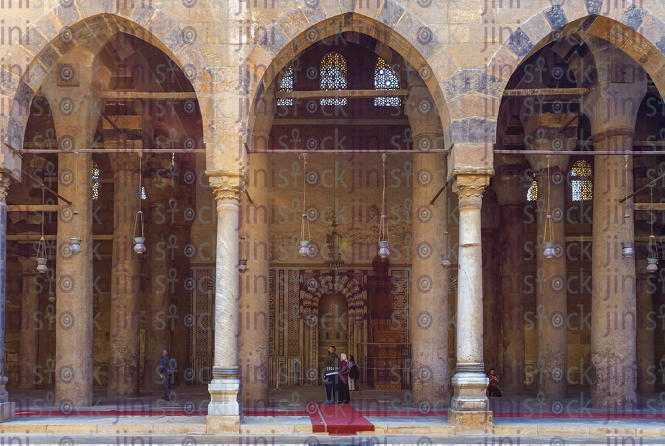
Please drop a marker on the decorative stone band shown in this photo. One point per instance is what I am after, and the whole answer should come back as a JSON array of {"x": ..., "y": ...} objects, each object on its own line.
[
  {"x": 470, "y": 190},
  {"x": 614, "y": 133},
  {"x": 470, "y": 367},
  {"x": 224, "y": 372}
]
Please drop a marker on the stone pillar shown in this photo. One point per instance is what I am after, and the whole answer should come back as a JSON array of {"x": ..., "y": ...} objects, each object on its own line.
[
  {"x": 254, "y": 340},
  {"x": 7, "y": 409},
  {"x": 551, "y": 293},
  {"x": 225, "y": 408},
  {"x": 74, "y": 273},
  {"x": 158, "y": 293},
  {"x": 510, "y": 187},
  {"x": 124, "y": 347},
  {"x": 469, "y": 408},
  {"x": 491, "y": 218},
  {"x": 429, "y": 295},
  {"x": 613, "y": 367},
  {"x": 645, "y": 335},
  {"x": 28, "y": 338}
]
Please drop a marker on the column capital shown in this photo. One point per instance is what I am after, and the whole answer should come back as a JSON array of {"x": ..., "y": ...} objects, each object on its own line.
[
  {"x": 226, "y": 186},
  {"x": 5, "y": 182},
  {"x": 28, "y": 266},
  {"x": 470, "y": 189}
]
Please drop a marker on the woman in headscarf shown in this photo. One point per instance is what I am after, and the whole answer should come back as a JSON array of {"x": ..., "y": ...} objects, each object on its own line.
[{"x": 344, "y": 394}]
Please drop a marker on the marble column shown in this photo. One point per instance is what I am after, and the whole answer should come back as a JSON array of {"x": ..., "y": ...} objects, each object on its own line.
[
  {"x": 7, "y": 408},
  {"x": 511, "y": 188},
  {"x": 552, "y": 294},
  {"x": 429, "y": 293},
  {"x": 126, "y": 279},
  {"x": 469, "y": 409},
  {"x": 74, "y": 275},
  {"x": 491, "y": 218},
  {"x": 254, "y": 340},
  {"x": 645, "y": 335},
  {"x": 225, "y": 408},
  {"x": 158, "y": 293},
  {"x": 28, "y": 338},
  {"x": 613, "y": 349}
]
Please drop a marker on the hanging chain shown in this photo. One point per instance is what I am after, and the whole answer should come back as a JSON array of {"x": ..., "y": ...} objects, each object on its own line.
[
  {"x": 383, "y": 228},
  {"x": 548, "y": 224},
  {"x": 304, "y": 200},
  {"x": 42, "y": 242},
  {"x": 140, "y": 212}
]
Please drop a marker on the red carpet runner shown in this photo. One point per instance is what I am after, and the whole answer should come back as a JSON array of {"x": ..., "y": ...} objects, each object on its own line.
[{"x": 337, "y": 419}]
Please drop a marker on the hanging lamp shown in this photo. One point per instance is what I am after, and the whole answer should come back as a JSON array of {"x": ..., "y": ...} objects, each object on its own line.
[
  {"x": 75, "y": 244},
  {"x": 627, "y": 249},
  {"x": 548, "y": 252},
  {"x": 242, "y": 263},
  {"x": 652, "y": 248},
  {"x": 383, "y": 226},
  {"x": 304, "y": 242},
  {"x": 41, "y": 248},
  {"x": 139, "y": 246}
]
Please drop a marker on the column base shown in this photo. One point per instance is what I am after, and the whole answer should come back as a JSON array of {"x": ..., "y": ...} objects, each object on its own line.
[
  {"x": 469, "y": 408},
  {"x": 225, "y": 409}
]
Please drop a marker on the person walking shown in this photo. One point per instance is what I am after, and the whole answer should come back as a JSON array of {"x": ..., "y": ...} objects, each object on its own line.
[
  {"x": 493, "y": 387},
  {"x": 166, "y": 366},
  {"x": 344, "y": 395},
  {"x": 331, "y": 375}
]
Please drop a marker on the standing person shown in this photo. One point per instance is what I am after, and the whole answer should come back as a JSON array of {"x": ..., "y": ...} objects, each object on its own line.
[
  {"x": 344, "y": 395},
  {"x": 165, "y": 372},
  {"x": 352, "y": 373},
  {"x": 493, "y": 387},
  {"x": 331, "y": 374}
]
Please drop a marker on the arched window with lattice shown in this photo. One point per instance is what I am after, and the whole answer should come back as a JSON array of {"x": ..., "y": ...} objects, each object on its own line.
[
  {"x": 385, "y": 79},
  {"x": 333, "y": 77},
  {"x": 286, "y": 85},
  {"x": 581, "y": 181},
  {"x": 532, "y": 192},
  {"x": 94, "y": 176}
]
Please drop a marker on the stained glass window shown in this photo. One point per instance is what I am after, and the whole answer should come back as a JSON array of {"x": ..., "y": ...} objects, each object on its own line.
[
  {"x": 532, "y": 193},
  {"x": 333, "y": 77},
  {"x": 286, "y": 85},
  {"x": 385, "y": 79},
  {"x": 94, "y": 175},
  {"x": 582, "y": 188}
]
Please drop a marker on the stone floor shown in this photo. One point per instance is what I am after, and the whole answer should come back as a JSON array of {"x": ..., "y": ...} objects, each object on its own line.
[
  {"x": 289, "y": 399},
  {"x": 528, "y": 421}
]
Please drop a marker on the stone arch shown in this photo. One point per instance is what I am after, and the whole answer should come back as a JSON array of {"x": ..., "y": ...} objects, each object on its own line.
[
  {"x": 387, "y": 21},
  {"x": 90, "y": 24},
  {"x": 635, "y": 30},
  {"x": 316, "y": 286}
]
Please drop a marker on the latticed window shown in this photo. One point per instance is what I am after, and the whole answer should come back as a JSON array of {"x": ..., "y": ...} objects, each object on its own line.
[
  {"x": 385, "y": 79},
  {"x": 580, "y": 182},
  {"x": 333, "y": 77},
  {"x": 94, "y": 175},
  {"x": 286, "y": 85},
  {"x": 532, "y": 193},
  {"x": 143, "y": 196}
]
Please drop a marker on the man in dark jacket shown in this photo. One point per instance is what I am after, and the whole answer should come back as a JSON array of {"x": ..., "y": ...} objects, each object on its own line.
[
  {"x": 165, "y": 372},
  {"x": 331, "y": 374}
]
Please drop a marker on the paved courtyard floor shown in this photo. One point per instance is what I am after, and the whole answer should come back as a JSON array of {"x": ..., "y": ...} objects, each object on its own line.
[{"x": 147, "y": 420}]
